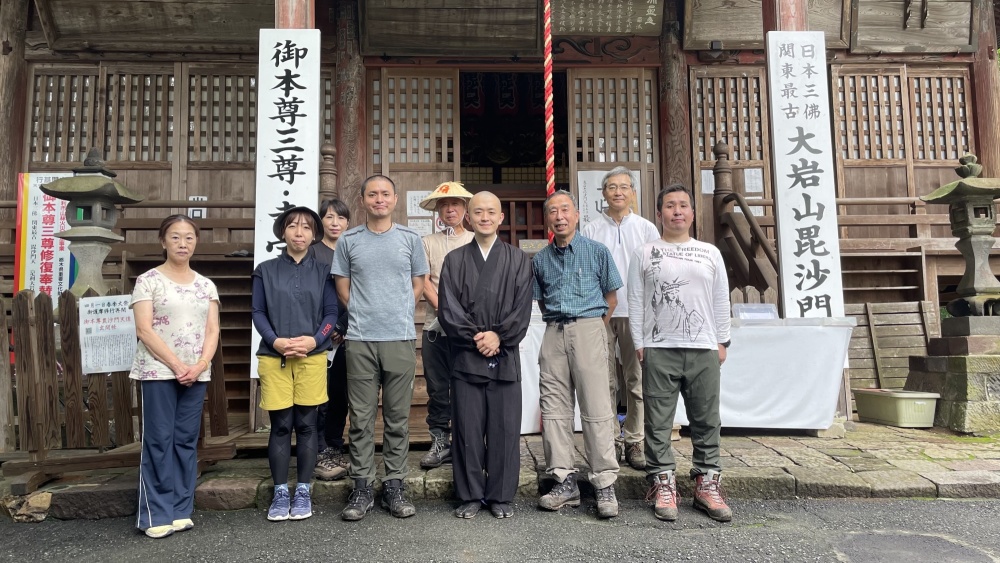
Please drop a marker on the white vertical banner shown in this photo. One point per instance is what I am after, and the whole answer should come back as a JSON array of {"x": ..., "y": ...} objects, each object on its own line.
[
  {"x": 804, "y": 186},
  {"x": 289, "y": 96}
]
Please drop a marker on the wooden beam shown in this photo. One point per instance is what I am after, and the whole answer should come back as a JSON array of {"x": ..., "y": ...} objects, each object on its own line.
[
  {"x": 295, "y": 14},
  {"x": 111, "y": 460},
  {"x": 350, "y": 139},
  {"x": 13, "y": 22},
  {"x": 986, "y": 85},
  {"x": 785, "y": 15},
  {"x": 675, "y": 111},
  {"x": 44, "y": 10},
  {"x": 7, "y": 443}
]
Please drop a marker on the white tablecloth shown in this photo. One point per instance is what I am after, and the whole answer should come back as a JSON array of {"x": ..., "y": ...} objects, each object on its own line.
[{"x": 774, "y": 377}]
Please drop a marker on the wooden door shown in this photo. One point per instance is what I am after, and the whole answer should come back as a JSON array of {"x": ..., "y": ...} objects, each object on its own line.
[
  {"x": 612, "y": 119},
  {"x": 415, "y": 135}
]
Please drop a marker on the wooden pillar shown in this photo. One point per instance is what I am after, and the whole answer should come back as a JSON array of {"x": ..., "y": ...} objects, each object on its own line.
[
  {"x": 986, "y": 85},
  {"x": 13, "y": 22},
  {"x": 295, "y": 14},
  {"x": 328, "y": 172},
  {"x": 785, "y": 15},
  {"x": 350, "y": 138},
  {"x": 675, "y": 110}
]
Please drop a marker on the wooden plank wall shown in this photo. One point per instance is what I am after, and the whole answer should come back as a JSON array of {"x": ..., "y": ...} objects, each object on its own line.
[{"x": 886, "y": 336}]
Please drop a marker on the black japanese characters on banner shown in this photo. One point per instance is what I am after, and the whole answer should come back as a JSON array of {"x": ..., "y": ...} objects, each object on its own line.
[{"x": 808, "y": 243}]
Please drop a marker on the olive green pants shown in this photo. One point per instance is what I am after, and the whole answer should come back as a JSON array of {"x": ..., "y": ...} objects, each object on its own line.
[
  {"x": 371, "y": 365},
  {"x": 694, "y": 374}
]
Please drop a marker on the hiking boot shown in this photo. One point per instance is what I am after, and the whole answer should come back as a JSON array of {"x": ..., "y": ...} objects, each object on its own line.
[
  {"x": 279, "y": 505},
  {"x": 563, "y": 494},
  {"x": 332, "y": 465},
  {"x": 394, "y": 499},
  {"x": 607, "y": 502},
  {"x": 301, "y": 505},
  {"x": 439, "y": 453},
  {"x": 708, "y": 496},
  {"x": 635, "y": 456},
  {"x": 664, "y": 496},
  {"x": 619, "y": 448},
  {"x": 360, "y": 503}
]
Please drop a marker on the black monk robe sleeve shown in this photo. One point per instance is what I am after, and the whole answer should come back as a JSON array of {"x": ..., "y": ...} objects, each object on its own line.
[
  {"x": 457, "y": 322},
  {"x": 514, "y": 325}
]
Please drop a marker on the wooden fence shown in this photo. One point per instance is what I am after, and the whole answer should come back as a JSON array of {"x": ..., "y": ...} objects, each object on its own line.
[{"x": 52, "y": 404}]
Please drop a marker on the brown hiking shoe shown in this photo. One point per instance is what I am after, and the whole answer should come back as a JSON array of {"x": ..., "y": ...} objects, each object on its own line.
[
  {"x": 708, "y": 497},
  {"x": 664, "y": 496},
  {"x": 607, "y": 502},
  {"x": 635, "y": 456},
  {"x": 619, "y": 448},
  {"x": 331, "y": 465}
]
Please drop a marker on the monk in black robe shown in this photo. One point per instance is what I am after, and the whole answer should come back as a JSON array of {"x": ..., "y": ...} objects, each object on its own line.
[{"x": 484, "y": 305}]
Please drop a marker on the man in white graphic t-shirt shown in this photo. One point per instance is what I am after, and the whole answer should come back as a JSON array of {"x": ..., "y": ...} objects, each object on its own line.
[{"x": 678, "y": 305}]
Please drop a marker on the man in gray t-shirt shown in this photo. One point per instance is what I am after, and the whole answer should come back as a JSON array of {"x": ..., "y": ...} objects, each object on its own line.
[{"x": 379, "y": 270}]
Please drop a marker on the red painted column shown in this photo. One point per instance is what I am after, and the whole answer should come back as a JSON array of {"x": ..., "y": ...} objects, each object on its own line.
[
  {"x": 785, "y": 15},
  {"x": 294, "y": 14}
]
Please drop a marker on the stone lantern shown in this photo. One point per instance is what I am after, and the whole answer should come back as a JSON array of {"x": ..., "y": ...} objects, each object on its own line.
[
  {"x": 963, "y": 365},
  {"x": 973, "y": 219},
  {"x": 92, "y": 193}
]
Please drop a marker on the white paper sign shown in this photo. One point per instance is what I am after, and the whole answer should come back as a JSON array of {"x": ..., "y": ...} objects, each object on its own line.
[
  {"x": 288, "y": 136},
  {"x": 423, "y": 227},
  {"x": 43, "y": 262},
  {"x": 413, "y": 208},
  {"x": 591, "y": 198},
  {"x": 804, "y": 188},
  {"x": 107, "y": 334}
]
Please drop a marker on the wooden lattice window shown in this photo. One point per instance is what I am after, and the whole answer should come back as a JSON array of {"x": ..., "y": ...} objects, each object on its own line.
[
  {"x": 728, "y": 105},
  {"x": 417, "y": 118},
  {"x": 612, "y": 117},
  {"x": 870, "y": 114},
  {"x": 222, "y": 110},
  {"x": 375, "y": 87},
  {"x": 940, "y": 120},
  {"x": 62, "y": 111},
  {"x": 139, "y": 116}
]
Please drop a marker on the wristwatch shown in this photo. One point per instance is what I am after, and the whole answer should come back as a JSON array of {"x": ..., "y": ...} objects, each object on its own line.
[{"x": 726, "y": 343}]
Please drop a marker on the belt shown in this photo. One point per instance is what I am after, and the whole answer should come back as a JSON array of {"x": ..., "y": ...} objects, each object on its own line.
[{"x": 562, "y": 321}]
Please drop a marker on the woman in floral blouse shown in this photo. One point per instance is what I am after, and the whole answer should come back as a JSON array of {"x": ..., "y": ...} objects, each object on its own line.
[{"x": 177, "y": 322}]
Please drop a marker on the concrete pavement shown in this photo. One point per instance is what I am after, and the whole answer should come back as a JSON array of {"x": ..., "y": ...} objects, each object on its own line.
[{"x": 870, "y": 461}]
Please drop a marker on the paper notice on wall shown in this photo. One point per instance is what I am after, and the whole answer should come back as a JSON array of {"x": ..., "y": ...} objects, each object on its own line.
[
  {"x": 107, "y": 334},
  {"x": 413, "y": 208},
  {"x": 423, "y": 227}
]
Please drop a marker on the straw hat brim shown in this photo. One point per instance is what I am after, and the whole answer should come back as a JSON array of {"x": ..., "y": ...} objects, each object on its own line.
[{"x": 457, "y": 192}]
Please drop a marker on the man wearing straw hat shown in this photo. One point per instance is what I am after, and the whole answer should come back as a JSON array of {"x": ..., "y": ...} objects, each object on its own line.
[{"x": 450, "y": 200}]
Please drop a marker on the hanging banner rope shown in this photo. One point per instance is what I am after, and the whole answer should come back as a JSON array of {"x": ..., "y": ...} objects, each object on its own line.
[{"x": 550, "y": 149}]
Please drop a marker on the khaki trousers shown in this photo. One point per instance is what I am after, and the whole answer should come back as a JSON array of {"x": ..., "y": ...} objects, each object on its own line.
[
  {"x": 574, "y": 357},
  {"x": 631, "y": 380}
]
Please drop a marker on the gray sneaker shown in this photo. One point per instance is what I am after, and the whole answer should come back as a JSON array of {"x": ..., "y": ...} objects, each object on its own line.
[
  {"x": 279, "y": 505},
  {"x": 394, "y": 499},
  {"x": 301, "y": 505},
  {"x": 440, "y": 453},
  {"x": 607, "y": 502},
  {"x": 563, "y": 494}
]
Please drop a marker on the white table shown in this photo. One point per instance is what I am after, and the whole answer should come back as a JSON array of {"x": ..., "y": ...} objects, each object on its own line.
[{"x": 783, "y": 374}]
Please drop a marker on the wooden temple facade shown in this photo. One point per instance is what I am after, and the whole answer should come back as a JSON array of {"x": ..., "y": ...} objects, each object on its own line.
[{"x": 434, "y": 90}]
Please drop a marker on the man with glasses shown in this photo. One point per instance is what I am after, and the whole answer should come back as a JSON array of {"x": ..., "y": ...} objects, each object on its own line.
[{"x": 623, "y": 231}]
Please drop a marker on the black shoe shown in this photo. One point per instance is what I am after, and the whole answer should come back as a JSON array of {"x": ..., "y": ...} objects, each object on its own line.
[
  {"x": 502, "y": 509},
  {"x": 563, "y": 494},
  {"x": 360, "y": 503},
  {"x": 468, "y": 509},
  {"x": 440, "y": 453},
  {"x": 394, "y": 499}
]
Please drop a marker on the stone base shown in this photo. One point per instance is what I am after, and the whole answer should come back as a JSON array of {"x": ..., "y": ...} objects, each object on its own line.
[
  {"x": 970, "y": 326},
  {"x": 969, "y": 387}
]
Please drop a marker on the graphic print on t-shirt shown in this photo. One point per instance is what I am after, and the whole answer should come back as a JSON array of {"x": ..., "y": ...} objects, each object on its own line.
[{"x": 670, "y": 314}]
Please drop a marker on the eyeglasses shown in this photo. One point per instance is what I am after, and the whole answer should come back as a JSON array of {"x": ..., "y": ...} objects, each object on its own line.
[{"x": 617, "y": 188}]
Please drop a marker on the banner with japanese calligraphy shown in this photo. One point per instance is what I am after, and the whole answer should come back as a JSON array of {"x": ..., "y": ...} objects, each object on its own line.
[
  {"x": 289, "y": 95},
  {"x": 107, "y": 334},
  {"x": 43, "y": 262},
  {"x": 805, "y": 191},
  {"x": 607, "y": 17}
]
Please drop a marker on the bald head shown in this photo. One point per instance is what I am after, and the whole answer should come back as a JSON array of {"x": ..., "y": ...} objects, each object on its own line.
[{"x": 485, "y": 214}]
